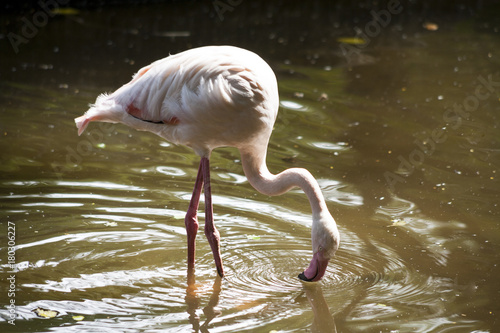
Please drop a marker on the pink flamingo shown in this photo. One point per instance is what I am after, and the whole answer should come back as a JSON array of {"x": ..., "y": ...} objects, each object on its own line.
[{"x": 211, "y": 97}]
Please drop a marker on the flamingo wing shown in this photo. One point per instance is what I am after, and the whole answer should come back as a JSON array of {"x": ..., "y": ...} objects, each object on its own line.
[{"x": 208, "y": 97}]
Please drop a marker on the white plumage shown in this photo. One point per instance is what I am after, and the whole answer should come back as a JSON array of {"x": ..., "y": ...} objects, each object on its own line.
[{"x": 211, "y": 97}]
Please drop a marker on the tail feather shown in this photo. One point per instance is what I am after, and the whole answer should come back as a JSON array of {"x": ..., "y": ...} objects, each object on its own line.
[
  {"x": 82, "y": 123},
  {"x": 105, "y": 109}
]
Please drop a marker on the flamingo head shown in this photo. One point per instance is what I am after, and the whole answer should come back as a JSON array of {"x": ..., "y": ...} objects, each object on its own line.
[{"x": 325, "y": 242}]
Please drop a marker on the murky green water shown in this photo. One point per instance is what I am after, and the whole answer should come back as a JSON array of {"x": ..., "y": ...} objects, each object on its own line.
[{"x": 402, "y": 136}]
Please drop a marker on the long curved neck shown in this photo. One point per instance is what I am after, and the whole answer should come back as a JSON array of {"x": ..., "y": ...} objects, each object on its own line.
[{"x": 257, "y": 173}]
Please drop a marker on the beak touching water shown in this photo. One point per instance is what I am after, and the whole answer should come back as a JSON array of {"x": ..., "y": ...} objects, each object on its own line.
[{"x": 316, "y": 269}]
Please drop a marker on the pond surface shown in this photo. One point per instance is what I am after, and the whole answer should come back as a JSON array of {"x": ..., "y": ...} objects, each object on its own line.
[{"x": 401, "y": 130}]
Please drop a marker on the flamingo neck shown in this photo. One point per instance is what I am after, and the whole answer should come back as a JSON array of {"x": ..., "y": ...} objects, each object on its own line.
[{"x": 257, "y": 173}]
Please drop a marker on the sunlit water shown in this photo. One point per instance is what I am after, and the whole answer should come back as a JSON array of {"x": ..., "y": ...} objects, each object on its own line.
[{"x": 99, "y": 223}]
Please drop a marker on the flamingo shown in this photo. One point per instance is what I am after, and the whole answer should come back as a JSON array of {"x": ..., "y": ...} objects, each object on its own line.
[{"x": 210, "y": 97}]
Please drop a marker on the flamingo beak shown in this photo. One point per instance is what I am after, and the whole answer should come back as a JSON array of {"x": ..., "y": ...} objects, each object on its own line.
[{"x": 316, "y": 269}]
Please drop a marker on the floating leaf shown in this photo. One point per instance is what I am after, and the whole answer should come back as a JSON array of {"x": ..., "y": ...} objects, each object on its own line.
[
  {"x": 253, "y": 237},
  {"x": 101, "y": 145},
  {"x": 45, "y": 313},
  {"x": 380, "y": 304},
  {"x": 65, "y": 11},
  {"x": 398, "y": 222},
  {"x": 78, "y": 318},
  {"x": 323, "y": 97},
  {"x": 351, "y": 40},
  {"x": 430, "y": 26}
]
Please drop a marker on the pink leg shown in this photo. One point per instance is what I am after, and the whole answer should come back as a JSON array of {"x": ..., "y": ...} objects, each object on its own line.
[
  {"x": 211, "y": 232},
  {"x": 191, "y": 220}
]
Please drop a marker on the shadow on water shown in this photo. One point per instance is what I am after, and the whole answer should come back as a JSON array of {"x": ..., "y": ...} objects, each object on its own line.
[{"x": 99, "y": 219}]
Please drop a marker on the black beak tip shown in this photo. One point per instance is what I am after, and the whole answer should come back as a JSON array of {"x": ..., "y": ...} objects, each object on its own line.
[{"x": 303, "y": 277}]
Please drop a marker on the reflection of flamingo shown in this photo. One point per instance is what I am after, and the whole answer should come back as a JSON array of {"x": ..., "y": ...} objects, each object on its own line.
[
  {"x": 323, "y": 320},
  {"x": 193, "y": 301},
  {"x": 212, "y": 97}
]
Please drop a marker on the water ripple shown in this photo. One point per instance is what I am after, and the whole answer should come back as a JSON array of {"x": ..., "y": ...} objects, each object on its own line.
[
  {"x": 338, "y": 192},
  {"x": 97, "y": 237},
  {"x": 291, "y": 105},
  {"x": 105, "y": 279},
  {"x": 330, "y": 146},
  {"x": 170, "y": 171},
  {"x": 135, "y": 256}
]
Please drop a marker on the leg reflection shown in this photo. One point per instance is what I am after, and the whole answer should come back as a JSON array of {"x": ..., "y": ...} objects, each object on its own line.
[
  {"x": 323, "y": 320},
  {"x": 193, "y": 303}
]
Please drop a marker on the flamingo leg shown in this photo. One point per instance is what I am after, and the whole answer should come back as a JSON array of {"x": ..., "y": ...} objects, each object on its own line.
[
  {"x": 211, "y": 232},
  {"x": 191, "y": 219}
]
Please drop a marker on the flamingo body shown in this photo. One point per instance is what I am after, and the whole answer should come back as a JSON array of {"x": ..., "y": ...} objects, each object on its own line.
[
  {"x": 210, "y": 97},
  {"x": 207, "y": 94}
]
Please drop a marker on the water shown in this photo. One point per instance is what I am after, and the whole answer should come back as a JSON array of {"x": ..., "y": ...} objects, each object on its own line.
[{"x": 98, "y": 219}]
